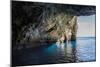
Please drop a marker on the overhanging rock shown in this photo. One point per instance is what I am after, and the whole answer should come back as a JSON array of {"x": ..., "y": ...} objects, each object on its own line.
[{"x": 45, "y": 20}]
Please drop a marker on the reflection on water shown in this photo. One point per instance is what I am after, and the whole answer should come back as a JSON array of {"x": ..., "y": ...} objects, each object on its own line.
[{"x": 83, "y": 49}]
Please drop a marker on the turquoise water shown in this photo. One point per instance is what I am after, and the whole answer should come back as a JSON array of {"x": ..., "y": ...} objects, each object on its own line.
[{"x": 81, "y": 50}]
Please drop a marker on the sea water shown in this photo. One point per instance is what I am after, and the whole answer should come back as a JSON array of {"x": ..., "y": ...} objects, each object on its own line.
[{"x": 81, "y": 50}]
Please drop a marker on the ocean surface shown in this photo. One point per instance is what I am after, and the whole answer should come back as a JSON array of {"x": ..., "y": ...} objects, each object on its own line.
[{"x": 81, "y": 50}]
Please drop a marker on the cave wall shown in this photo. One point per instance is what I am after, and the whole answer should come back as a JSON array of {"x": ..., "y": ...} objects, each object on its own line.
[{"x": 34, "y": 20}]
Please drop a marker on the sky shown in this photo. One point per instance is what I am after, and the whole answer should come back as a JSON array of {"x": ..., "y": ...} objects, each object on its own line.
[{"x": 86, "y": 26}]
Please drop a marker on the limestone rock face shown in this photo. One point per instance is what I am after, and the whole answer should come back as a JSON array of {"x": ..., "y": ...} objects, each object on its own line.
[{"x": 53, "y": 28}]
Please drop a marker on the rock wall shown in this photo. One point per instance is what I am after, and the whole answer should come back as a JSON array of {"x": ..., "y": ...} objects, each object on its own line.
[
  {"x": 34, "y": 21},
  {"x": 54, "y": 28}
]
